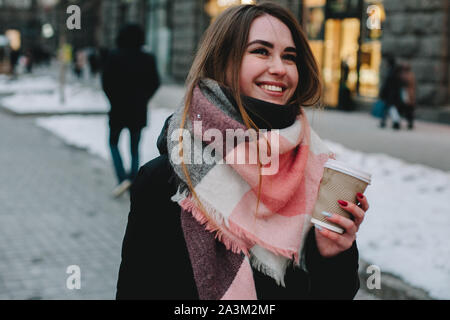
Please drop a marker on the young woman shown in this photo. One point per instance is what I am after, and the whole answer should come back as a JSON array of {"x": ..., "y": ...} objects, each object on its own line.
[{"x": 209, "y": 227}]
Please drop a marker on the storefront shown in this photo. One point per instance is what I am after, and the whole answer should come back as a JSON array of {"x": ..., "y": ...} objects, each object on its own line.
[{"x": 345, "y": 38}]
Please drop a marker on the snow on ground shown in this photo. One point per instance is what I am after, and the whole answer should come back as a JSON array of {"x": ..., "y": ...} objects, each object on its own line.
[
  {"x": 44, "y": 83},
  {"x": 405, "y": 231},
  {"x": 78, "y": 98}
]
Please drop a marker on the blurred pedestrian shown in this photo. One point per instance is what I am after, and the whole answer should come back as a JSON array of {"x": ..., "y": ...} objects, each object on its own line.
[
  {"x": 79, "y": 62},
  {"x": 102, "y": 57},
  {"x": 390, "y": 93},
  {"x": 344, "y": 97},
  {"x": 408, "y": 93},
  {"x": 29, "y": 61},
  {"x": 129, "y": 79},
  {"x": 14, "y": 60},
  {"x": 211, "y": 229},
  {"x": 93, "y": 59}
]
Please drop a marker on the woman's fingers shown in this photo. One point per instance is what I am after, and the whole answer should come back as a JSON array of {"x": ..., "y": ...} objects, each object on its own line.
[
  {"x": 362, "y": 201},
  {"x": 344, "y": 241},
  {"x": 354, "y": 210},
  {"x": 348, "y": 225}
]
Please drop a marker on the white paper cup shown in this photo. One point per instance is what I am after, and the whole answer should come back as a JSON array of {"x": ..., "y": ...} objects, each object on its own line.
[{"x": 340, "y": 181}]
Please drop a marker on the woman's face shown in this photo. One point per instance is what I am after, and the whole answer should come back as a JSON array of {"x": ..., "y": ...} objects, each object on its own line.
[{"x": 268, "y": 70}]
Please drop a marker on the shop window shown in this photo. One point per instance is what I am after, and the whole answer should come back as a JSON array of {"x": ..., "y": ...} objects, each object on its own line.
[
  {"x": 344, "y": 36},
  {"x": 370, "y": 55},
  {"x": 340, "y": 57},
  {"x": 14, "y": 38}
]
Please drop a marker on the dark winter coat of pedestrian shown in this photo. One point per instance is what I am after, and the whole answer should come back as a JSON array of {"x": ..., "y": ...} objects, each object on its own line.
[
  {"x": 390, "y": 93},
  {"x": 14, "y": 59},
  {"x": 93, "y": 59},
  {"x": 345, "y": 101},
  {"x": 221, "y": 229},
  {"x": 129, "y": 79}
]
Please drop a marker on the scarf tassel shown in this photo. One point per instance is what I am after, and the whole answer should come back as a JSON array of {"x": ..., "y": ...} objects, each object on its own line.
[{"x": 231, "y": 242}]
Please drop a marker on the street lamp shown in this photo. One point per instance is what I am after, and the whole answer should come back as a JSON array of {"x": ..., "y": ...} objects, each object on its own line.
[{"x": 47, "y": 31}]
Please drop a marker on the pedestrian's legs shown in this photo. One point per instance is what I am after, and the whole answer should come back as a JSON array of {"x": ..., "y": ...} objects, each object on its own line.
[
  {"x": 395, "y": 116},
  {"x": 114, "y": 135},
  {"x": 384, "y": 115},
  {"x": 409, "y": 114},
  {"x": 135, "y": 136}
]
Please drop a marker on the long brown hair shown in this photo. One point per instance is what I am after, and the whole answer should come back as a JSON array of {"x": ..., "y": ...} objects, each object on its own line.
[{"x": 224, "y": 43}]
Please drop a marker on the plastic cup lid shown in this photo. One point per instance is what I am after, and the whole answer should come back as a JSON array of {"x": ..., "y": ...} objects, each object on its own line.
[{"x": 348, "y": 169}]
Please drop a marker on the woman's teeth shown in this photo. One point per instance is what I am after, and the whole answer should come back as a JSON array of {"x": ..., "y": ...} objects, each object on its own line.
[{"x": 271, "y": 88}]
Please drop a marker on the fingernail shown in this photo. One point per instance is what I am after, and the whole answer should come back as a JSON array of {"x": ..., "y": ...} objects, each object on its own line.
[
  {"x": 343, "y": 203},
  {"x": 318, "y": 227},
  {"x": 360, "y": 195},
  {"x": 326, "y": 214}
]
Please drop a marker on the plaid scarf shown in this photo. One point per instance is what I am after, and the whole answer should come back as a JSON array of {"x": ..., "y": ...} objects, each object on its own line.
[{"x": 267, "y": 234}]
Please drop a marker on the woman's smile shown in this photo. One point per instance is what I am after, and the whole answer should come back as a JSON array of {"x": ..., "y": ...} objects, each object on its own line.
[{"x": 272, "y": 89}]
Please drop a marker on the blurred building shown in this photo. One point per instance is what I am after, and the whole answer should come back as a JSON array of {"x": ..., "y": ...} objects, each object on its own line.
[
  {"x": 350, "y": 38},
  {"x": 37, "y": 25},
  {"x": 19, "y": 23},
  {"x": 351, "y": 35},
  {"x": 418, "y": 32}
]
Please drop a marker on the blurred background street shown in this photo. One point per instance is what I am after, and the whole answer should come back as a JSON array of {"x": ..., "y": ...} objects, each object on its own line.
[{"x": 56, "y": 205}]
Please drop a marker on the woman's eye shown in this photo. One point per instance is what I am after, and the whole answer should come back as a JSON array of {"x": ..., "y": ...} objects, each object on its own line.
[
  {"x": 290, "y": 57},
  {"x": 260, "y": 51}
]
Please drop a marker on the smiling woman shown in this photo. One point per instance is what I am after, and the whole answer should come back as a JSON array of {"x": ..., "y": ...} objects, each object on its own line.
[
  {"x": 221, "y": 230},
  {"x": 269, "y": 71}
]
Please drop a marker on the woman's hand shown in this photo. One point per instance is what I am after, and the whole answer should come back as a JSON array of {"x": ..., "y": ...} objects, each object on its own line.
[{"x": 331, "y": 243}]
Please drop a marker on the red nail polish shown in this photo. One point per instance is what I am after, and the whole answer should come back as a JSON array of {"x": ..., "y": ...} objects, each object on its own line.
[
  {"x": 360, "y": 195},
  {"x": 343, "y": 203}
]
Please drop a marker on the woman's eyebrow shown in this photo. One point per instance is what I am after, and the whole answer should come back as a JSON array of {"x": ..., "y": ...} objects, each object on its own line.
[{"x": 270, "y": 45}]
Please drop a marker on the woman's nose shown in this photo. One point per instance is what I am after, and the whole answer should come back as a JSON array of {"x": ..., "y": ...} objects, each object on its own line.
[{"x": 277, "y": 67}]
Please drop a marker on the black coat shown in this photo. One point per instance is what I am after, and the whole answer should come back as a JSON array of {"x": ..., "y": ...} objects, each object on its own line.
[
  {"x": 390, "y": 91},
  {"x": 129, "y": 79},
  {"x": 156, "y": 264}
]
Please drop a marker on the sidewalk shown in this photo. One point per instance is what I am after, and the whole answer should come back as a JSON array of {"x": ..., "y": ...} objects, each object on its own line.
[
  {"x": 56, "y": 211},
  {"x": 437, "y": 114}
]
